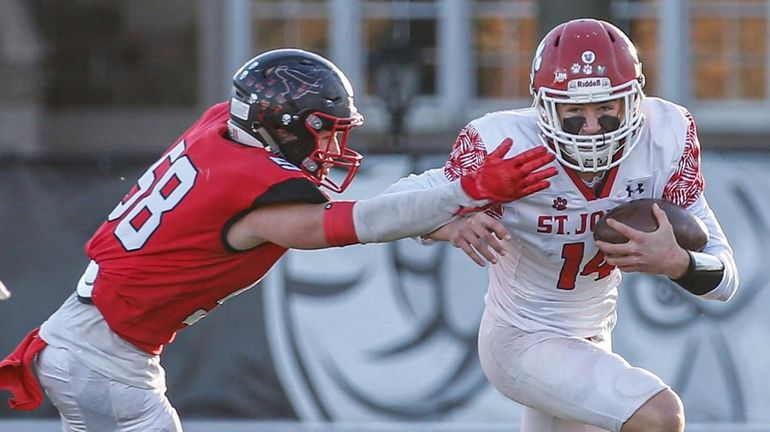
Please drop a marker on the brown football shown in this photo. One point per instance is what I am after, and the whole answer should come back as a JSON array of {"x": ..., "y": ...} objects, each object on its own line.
[{"x": 690, "y": 232}]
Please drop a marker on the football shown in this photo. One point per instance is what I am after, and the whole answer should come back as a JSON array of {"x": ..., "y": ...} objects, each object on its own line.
[{"x": 690, "y": 232}]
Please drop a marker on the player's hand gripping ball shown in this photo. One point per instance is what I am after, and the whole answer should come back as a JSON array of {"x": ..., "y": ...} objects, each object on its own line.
[{"x": 690, "y": 232}]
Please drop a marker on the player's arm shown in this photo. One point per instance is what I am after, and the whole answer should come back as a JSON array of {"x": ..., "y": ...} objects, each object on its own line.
[
  {"x": 477, "y": 234},
  {"x": 383, "y": 218},
  {"x": 710, "y": 273},
  {"x": 655, "y": 252},
  {"x": 393, "y": 216},
  {"x": 292, "y": 225}
]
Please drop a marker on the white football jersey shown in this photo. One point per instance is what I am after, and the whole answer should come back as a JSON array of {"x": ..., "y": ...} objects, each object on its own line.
[{"x": 553, "y": 276}]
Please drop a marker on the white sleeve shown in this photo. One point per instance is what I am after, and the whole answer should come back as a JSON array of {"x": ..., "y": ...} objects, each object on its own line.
[
  {"x": 719, "y": 247},
  {"x": 409, "y": 210},
  {"x": 428, "y": 179}
]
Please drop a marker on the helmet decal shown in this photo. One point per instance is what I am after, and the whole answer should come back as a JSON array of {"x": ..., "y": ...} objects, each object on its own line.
[{"x": 296, "y": 83}]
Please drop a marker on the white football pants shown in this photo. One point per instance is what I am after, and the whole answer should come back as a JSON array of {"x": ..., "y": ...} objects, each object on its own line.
[
  {"x": 88, "y": 401},
  {"x": 567, "y": 384}
]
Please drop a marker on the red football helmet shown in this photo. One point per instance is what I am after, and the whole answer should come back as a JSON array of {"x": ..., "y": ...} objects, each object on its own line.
[{"x": 588, "y": 61}]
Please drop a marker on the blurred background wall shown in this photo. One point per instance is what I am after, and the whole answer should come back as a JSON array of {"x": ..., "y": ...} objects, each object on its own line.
[
  {"x": 122, "y": 78},
  {"x": 91, "y": 91}
]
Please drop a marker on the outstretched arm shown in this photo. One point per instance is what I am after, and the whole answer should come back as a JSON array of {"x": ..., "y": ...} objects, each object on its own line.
[
  {"x": 383, "y": 218},
  {"x": 393, "y": 216}
]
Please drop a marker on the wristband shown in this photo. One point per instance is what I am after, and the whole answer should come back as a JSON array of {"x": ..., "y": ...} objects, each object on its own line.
[
  {"x": 704, "y": 273},
  {"x": 339, "y": 228}
]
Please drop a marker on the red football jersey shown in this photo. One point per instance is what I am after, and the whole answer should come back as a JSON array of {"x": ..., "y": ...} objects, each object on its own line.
[{"x": 163, "y": 261}]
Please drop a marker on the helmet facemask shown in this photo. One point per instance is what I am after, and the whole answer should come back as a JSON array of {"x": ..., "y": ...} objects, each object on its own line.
[
  {"x": 587, "y": 61},
  {"x": 331, "y": 150},
  {"x": 595, "y": 152}
]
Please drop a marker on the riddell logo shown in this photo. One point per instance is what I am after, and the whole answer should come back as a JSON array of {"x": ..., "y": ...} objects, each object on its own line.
[
  {"x": 592, "y": 83},
  {"x": 589, "y": 84}
]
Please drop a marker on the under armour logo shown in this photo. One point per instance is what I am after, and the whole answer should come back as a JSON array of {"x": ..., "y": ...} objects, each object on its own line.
[
  {"x": 639, "y": 189},
  {"x": 560, "y": 203}
]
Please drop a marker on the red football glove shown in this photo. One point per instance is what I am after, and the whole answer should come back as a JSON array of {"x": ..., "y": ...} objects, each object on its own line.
[{"x": 504, "y": 180}]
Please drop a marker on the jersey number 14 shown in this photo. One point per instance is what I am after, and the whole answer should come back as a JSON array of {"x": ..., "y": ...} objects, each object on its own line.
[{"x": 572, "y": 253}]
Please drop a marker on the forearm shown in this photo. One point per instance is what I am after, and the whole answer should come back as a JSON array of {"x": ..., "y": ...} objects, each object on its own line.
[
  {"x": 412, "y": 213},
  {"x": 420, "y": 209},
  {"x": 428, "y": 179},
  {"x": 703, "y": 274},
  {"x": 712, "y": 274},
  {"x": 383, "y": 218},
  {"x": 712, "y": 277}
]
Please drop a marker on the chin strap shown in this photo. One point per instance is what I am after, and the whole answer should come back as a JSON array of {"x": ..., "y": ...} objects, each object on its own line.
[{"x": 704, "y": 273}]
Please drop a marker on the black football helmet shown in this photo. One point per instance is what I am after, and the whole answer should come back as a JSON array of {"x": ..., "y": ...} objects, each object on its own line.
[{"x": 287, "y": 98}]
